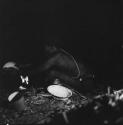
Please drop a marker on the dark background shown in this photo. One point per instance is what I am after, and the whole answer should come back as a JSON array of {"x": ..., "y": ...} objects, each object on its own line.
[{"x": 90, "y": 30}]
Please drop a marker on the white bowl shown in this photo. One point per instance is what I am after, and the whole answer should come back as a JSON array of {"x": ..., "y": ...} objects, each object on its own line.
[{"x": 59, "y": 91}]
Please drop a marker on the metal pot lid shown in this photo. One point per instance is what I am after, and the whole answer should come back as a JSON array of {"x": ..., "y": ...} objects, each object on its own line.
[{"x": 59, "y": 91}]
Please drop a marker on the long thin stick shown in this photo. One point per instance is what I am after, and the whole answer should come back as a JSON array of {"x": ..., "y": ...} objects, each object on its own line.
[{"x": 65, "y": 117}]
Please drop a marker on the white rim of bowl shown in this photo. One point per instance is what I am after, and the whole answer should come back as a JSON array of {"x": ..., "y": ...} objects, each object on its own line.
[{"x": 11, "y": 96}]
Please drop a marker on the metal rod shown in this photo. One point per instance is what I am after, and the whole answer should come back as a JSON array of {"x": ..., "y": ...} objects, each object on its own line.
[{"x": 64, "y": 114}]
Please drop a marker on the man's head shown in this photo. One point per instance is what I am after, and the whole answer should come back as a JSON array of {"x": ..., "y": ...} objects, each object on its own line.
[
  {"x": 11, "y": 76},
  {"x": 10, "y": 65}
]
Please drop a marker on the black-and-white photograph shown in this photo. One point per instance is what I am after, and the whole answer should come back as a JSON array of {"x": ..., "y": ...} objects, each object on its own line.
[{"x": 61, "y": 62}]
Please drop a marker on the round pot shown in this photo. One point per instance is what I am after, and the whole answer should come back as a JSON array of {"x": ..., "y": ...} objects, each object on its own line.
[{"x": 17, "y": 101}]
